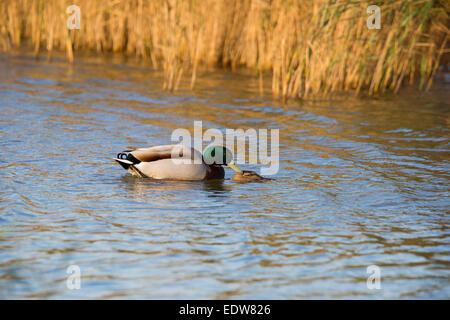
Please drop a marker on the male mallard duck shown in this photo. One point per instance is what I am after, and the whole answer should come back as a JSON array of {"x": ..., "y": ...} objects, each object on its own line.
[{"x": 177, "y": 162}]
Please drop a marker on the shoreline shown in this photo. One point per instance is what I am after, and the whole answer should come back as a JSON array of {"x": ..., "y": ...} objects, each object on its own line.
[{"x": 310, "y": 49}]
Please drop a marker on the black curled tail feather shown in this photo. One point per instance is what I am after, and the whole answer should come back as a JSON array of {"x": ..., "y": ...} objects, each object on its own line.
[
  {"x": 128, "y": 159},
  {"x": 126, "y": 155}
]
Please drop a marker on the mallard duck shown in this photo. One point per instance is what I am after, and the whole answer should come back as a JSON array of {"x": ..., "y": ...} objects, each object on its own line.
[
  {"x": 177, "y": 162},
  {"x": 247, "y": 176}
]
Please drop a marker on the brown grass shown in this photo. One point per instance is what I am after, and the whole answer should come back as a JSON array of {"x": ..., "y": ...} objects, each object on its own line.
[{"x": 311, "y": 48}]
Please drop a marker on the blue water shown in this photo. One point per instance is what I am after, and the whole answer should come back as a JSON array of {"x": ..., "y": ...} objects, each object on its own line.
[{"x": 362, "y": 182}]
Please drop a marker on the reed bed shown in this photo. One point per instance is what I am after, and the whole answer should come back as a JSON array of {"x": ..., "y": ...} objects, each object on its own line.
[{"x": 311, "y": 48}]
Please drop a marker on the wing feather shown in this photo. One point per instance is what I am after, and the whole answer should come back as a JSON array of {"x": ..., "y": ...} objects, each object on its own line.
[{"x": 164, "y": 152}]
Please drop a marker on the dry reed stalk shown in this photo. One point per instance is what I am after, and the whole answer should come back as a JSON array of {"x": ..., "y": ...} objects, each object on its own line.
[{"x": 311, "y": 48}]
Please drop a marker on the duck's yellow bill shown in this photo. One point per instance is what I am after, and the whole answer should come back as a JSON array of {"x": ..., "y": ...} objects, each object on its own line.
[{"x": 234, "y": 167}]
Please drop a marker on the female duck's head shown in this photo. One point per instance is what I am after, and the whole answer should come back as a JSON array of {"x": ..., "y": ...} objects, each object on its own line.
[{"x": 218, "y": 155}]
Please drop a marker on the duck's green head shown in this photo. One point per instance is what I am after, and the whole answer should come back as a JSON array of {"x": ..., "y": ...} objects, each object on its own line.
[{"x": 219, "y": 155}]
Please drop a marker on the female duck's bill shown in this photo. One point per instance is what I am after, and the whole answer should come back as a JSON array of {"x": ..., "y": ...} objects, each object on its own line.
[{"x": 177, "y": 162}]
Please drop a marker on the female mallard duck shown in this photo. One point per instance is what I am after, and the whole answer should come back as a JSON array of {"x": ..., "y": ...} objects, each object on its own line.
[
  {"x": 247, "y": 176},
  {"x": 177, "y": 162}
]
